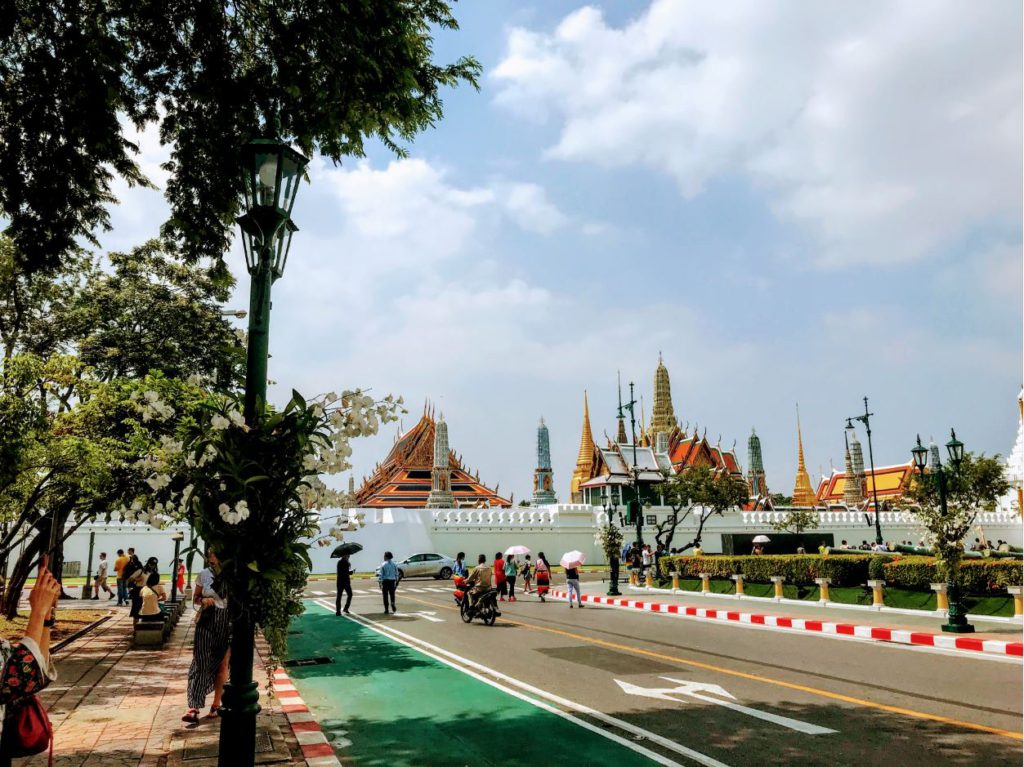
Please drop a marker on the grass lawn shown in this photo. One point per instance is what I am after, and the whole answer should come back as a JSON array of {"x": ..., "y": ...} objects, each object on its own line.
[{"x": 68, "y": 622}]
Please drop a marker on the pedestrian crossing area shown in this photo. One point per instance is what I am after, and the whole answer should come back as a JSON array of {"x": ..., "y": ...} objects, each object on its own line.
[{"x": 376, "y": 591}]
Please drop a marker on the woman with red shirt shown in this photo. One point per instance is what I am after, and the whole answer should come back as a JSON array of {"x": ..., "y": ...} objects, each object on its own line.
[{"x": 499, "y": 576}]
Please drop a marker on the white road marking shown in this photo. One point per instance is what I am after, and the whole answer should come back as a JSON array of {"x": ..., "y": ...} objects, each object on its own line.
[
  {"x": 695, "y": 690},
  {"x": 320, "y": 593},
  {"x": 459, "y": 663},
  {"x": 428, "y": 615}
]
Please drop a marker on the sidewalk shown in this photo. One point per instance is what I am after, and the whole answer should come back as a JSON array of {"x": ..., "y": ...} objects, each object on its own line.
[
  {"x": 992, "y": 637},
  {"x": 114, "y": 706}
]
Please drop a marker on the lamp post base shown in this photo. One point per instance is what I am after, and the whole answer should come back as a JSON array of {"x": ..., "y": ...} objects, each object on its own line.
[
  {"x": 613, "y": 588},
  {"x": 956, "y": 622},
  {"x": 958, "y": 628}
]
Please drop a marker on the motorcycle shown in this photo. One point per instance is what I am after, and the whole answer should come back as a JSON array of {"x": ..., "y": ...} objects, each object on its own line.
[{"x": 485, "y": 608}]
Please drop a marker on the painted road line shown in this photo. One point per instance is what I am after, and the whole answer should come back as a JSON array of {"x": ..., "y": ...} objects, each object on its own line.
[
  {"x": 320, "y": 593},
  {"x": 767, "y": 680},
  {"x": 699, "y": 690},
  {"x": 963, "y": 646},
  {"x": 471, "y": 668},
  {"x": 507, "y": 714}
]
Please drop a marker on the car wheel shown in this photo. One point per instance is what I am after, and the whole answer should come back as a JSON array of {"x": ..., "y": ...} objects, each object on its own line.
[
  {"x": 401, "y": 574},
  {"x": 445, "y": 574}
]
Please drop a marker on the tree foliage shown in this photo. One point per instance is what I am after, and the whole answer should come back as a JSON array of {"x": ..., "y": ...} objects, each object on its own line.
[
  {"x": 705, "y": 492},
  {"x": 75, "y": 75},
  {"x": 975, "y": 486},
  {"x": 797, "y": 520}
]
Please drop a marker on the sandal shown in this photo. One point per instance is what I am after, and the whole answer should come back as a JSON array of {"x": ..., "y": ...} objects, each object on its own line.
[
  {"x": 214, "y": 712},
  {"x": 191, "y": 716}
]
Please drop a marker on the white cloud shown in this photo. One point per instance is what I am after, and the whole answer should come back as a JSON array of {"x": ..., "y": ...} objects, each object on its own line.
[
  {"x": 887, "y": 131},
  {"x": 528, "y": 205}
]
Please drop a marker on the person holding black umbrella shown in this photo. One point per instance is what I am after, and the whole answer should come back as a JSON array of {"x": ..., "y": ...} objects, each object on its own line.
[{"x": 344, "y": 584}]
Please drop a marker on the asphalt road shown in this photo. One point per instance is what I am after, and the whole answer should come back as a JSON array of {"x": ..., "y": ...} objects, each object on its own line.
[{"x": 706, "y": 693}]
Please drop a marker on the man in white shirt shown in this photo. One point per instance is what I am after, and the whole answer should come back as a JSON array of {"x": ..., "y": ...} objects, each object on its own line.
[{"x": 101, "y": 578}]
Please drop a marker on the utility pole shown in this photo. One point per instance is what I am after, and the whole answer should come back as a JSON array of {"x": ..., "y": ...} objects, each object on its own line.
[
  {"x": 866, "y": 420},
  {"x": 637, "y": 516}
]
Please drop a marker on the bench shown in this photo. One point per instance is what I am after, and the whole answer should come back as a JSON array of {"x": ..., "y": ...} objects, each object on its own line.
[{"x": 153, "y": 632}]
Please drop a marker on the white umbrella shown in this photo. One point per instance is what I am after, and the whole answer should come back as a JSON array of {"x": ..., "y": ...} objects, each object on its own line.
[
  {"x": 572, "y": 559},
  {"x": 517, "y": 550},
  {"x": 762, "y": 539}
]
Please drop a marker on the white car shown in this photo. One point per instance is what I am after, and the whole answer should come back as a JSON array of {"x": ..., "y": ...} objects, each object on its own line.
[{"x": 425, "y": 566}]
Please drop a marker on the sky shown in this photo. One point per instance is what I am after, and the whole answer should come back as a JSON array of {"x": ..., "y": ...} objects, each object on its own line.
[{"x": 791, "y": 202}]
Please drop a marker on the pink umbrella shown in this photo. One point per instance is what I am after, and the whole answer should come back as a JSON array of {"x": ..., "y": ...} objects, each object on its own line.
[
  {"x": 572, "y": 559},
  {"x": 517, "y": 550}
]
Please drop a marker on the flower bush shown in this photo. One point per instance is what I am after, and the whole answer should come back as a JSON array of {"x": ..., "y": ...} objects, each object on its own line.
[{"x": 254, "y": 492}]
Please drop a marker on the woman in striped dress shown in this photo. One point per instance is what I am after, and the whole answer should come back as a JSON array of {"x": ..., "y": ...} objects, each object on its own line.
[{"x": 211, "y": 645}]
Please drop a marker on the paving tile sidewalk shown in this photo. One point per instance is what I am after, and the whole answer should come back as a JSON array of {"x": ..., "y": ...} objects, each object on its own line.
[{"x": 115, "y": 706}]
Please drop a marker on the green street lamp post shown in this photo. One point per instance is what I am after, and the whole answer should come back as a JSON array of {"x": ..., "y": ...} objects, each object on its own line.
[
  {"x": 611, "y": 507},
  {"x": 271, "y": 173},
  {"x": 866, "y": 420},
  {"x": 957, "y": 614}
]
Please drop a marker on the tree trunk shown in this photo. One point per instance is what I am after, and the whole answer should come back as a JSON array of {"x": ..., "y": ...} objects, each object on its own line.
[{"x": 22, "y": 569}]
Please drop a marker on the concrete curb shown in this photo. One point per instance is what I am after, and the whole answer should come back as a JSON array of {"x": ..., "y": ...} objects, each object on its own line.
[
  {"x": 877, "y": 633},
  {"x": 316, "y": 749}
]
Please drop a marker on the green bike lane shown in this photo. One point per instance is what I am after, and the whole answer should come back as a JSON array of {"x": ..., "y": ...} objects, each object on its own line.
[{"x": 383, "y": 703}]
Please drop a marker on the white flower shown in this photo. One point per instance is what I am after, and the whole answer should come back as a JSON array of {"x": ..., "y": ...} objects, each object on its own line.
[
  {"x": 309, "y": 462},
  {"x": 241, "y": 335},
  {"x": 152, "y": 397},
  {"x": 158, "y": 481},
  {"x": 227, "y": 514},
  {"x": 242, "y": 510},
  {"x": 195, "y": 379},
  {"x": 331, "y": 397},
  {"x": 236, "y": 418},
  {"x": 219, "y": 422}
]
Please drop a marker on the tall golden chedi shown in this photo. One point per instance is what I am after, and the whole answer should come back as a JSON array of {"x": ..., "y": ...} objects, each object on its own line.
[
  {"x": 663, "y": 417},
  {"x": 803, "y": 495},
  {"x": 585, "y": 459}
]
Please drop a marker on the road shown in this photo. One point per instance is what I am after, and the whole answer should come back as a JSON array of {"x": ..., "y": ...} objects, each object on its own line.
[{"x": 691, "y": 692}]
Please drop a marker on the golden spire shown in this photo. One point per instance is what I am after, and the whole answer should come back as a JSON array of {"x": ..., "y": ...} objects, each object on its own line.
[
  {"x": 663, "y": 417},
  {"x": 585, "y": 459},
  {"x": 803, "y": 493}
]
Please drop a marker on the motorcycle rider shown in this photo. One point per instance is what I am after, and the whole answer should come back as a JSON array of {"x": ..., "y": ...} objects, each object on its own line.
[{"x": 479, "y": 579}]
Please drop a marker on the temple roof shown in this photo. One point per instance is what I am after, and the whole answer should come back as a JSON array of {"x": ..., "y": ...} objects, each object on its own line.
[
  {"x": 403, "y": 479},
  {"x": 893, "y": 482}
]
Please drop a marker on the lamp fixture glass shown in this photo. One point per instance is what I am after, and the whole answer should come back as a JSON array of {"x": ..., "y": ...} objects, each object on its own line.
[
  {"x": 955, "y": 448},
  {"x": 920, "y": 453}
]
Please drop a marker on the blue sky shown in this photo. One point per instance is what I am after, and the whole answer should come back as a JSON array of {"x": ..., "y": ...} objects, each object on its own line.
[{"x": 792, "y": 202}]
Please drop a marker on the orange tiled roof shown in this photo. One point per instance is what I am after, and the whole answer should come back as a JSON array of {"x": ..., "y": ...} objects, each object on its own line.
[
  {"x": 893, "y": 482},
  {"x": 403, "y": 479}
]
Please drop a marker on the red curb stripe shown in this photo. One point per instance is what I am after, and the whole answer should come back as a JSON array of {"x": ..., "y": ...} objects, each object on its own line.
[
  {"x": 732, "y": 616},
  {"x": 917, "y": 637},
  {"x": 287, "y": 694},
  {"x": 1015, "y": 648},
  {"x": 784, "y": 622},
  {"x": 879, "y": 633},
  {"x": 673, "y": 609},
  {"x": 758, "y": 619},
  {"x": 318, "y": 749},
  {"x": 969, "y": 643},
  {"x": 295, "y": 708},
  {"x": 655, "y": 607},
  {"x": 305, "y": 727},
  {"x": 847, "y": 629},
  {"x": 812, "y": 625}
]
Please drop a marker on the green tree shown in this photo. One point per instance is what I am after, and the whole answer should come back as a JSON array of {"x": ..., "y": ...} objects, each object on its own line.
[
  {"x": 975, "y": 486},
  {"x": 797, "y": 520},
  {"x": 706, "y": 493},
  {"x": 74, "y": 75}
]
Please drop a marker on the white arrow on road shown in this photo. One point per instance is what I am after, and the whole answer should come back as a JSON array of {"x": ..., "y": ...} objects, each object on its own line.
[
  {"x": 428, "y": 615},
  {"x": 699, "y": 690}
]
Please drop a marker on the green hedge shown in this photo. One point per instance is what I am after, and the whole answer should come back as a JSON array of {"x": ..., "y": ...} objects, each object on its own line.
[
  {"x": 977, "y": 576},
  {"x": 798, "y": 569}
]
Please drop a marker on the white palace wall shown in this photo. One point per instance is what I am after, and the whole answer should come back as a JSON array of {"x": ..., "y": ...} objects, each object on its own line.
[{"x": 552, "y": 529}]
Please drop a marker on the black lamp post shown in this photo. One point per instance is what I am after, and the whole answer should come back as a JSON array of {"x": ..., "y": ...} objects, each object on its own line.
[
  {"x": 610, "y": 505},
  {"x": 634, "y": 507},
  {"x": 866, "y": 420},
  {"x": 957, "y": 614},
  {"x": 271, "y": 171}
]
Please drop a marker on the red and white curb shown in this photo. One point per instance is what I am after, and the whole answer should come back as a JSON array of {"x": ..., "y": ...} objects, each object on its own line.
[
  {"x": 898, "y": 636},
  {"x": 316, "y": 749}
]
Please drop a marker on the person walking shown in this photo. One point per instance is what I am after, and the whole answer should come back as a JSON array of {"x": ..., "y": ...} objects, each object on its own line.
[
  {"x": 180, "y": 576},
  {"x": 343, "y": 584},
  {"x": 134, "y": 579},
  {"x": 388, "y": 581},
  {"x": 211, "y": 648},
  {"x": 511, "y": 571},
  {"x": 460, "y": 565},
  {"x": 646, "y": 559},
  {"x": 499, "y": 576},
  {"x": 101, "y": 578},
  {"x": 542, "y": 573},
  {"x": 122, "y": 589},
  {"x": 527, "y": 574},
  {"x": 572, "y": 583}
]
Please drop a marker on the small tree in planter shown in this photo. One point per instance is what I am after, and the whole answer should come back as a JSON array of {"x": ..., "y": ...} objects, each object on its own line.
[
  {"x": 797, "y": 520},
  {"x": 609, "y": 538}
]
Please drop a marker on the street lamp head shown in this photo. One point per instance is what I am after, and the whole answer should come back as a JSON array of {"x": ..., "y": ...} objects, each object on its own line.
[
  {"x": 178, "y": 536},
  {"x": 955, "y": 448},
  {"x": 920, "y": 453},
  {"x": 271, "y": 172}
]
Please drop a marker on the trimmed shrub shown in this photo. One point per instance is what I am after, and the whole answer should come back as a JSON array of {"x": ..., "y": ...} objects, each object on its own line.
[
  {"x": 977, "y": 576},
  {"x": 798, "y": 569}
]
